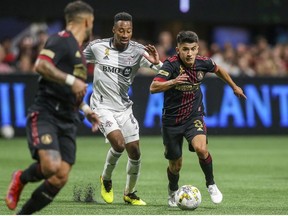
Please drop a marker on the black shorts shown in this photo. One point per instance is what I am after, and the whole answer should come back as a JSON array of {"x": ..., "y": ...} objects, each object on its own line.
[
  {"x": 45, "y": 131},
  {"x": 173, "y": 136}
]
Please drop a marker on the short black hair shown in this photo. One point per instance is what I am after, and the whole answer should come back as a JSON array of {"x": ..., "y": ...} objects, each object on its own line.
[
  {"x": 73, "y": 9},
  {"x": 187, "y": 37},
  {"x": 124, "y": 16}
]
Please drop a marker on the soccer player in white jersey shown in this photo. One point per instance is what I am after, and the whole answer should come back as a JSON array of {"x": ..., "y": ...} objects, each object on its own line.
[{"x": 116, "y": 61}]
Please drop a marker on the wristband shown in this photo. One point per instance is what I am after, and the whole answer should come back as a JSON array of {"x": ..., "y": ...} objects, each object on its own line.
[
  {"x": 158, "y": 66},
  {"x": 70, "y": 79},
  {"x": 86, "y": 109}
]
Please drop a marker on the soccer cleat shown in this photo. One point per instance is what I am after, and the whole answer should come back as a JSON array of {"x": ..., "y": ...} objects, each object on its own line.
[
  {"x": 14, "y": 190},
  {"x": 132, "y": 199},
  {"x": 106, "y": 190},
  {"x": 171, "y": 198},
  {"x": 215, "y": 194}
]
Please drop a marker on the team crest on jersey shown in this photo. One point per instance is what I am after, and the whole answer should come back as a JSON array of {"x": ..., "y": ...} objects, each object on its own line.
[
  {"x": 107, "y": 53},
  {"x": 200, "y": 75},
  {"x": 46, "y": 139},
  {"x": 181, "y": 69}
]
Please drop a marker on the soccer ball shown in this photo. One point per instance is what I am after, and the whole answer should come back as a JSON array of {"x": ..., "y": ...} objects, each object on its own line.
[
  {"x": 7, "y": 131},
  {"x": 188, "y": 197}
]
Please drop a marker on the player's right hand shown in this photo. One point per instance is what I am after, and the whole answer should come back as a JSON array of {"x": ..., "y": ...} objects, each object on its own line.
[
  {"x": 239, "y": 92},
  {"x": 79, "y": 88}
]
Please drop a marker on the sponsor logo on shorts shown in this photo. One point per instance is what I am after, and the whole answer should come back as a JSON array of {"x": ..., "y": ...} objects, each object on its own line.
[{"x": 199, "y": 125}]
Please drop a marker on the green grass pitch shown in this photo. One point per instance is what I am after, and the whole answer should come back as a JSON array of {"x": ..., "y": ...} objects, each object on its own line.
[{"x": 251, "y": 172}]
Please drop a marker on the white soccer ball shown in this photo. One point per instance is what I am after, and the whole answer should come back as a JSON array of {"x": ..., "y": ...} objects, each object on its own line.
[
  {"x": 188, "y": 197},
  {"x": 7, "y": 131}
]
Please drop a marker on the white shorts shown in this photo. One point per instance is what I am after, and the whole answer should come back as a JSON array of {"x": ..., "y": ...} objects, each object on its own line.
[{"x": 123, "y": 121}]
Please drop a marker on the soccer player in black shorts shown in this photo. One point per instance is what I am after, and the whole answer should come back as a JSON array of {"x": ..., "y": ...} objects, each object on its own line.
[
  {"x": 180, "y": 78},
  {"x": 53, "y": 117}
]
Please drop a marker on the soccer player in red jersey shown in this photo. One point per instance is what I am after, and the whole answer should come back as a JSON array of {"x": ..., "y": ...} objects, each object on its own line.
[
  {"x": 54, "y": 115},
  {"x": 180, "y": 78}
]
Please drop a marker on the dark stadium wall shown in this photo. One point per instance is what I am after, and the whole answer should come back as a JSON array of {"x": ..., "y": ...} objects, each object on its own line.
[
  {"x": 231, "y": 11},
  {"x": 264, "y": 112}
]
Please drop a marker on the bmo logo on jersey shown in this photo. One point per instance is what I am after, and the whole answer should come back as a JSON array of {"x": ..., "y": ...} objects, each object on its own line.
[{"x": 125, "y": 72}]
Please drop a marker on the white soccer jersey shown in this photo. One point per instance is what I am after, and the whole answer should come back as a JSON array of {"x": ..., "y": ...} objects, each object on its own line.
[{"x": 114, "y": 72}]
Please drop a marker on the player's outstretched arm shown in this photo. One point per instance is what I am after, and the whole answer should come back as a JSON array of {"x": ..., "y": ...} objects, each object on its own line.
[
  {"x": 50, "y": 72},
  {"x": 91, "y": 116},
  {"x": 159, "y": 86},
  {"x": 222, "y": 73}
]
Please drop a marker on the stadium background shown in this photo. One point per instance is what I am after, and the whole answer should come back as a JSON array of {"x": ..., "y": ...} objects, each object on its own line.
[{"x": 221, "y": 21}]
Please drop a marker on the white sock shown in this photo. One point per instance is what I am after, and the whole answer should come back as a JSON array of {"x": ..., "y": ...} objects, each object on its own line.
[
  {"x": 133, "y": 172},
  {"x": 110, "y": 164}
]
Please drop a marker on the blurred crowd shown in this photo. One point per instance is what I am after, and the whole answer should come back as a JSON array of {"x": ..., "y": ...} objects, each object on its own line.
[
  {"x": 257, "y": 59},
  {"x": 19, "y": 56}
]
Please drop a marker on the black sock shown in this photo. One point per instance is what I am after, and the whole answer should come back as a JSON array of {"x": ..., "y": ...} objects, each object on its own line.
[
  {"x": 207, "y": 168},
  {"x": 32, "y": 174},
  {"x": 173, "y": 180},
  {"x": 40, "y": 198}
]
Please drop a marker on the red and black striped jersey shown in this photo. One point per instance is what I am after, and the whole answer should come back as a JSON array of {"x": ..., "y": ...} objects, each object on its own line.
[
  {"x": 184, "y": 101},
  {"x": 63, "y": 51}
]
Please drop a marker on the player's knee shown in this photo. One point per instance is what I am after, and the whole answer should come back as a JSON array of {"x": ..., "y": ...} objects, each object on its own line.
[
  {"x": 59, "y": 179},
  {"x": 50, "y": 168},
  {"x": 175, "y": 167},
  {"x": 119, "y": 145},
  {"x": 62, "y": 180},
  {"x": 117, "y": 141},
  {"x": 135, "y": 155},
  {"x": 202, "y": 154},
  {"x": 133, "y": 152},
  {"x": 175, "y": 170},
  {"x": 201, "y": 150}
]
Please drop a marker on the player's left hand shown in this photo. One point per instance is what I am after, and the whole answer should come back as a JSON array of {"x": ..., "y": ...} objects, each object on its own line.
[
  {"x": 239, "y": 92},
  {"x": 95, "y": 121},
  {"x": 152, "y": 54}
]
